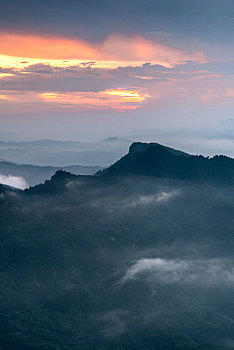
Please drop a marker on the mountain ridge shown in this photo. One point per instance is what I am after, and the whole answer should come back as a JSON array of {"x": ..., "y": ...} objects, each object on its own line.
[
  {"x": 34, "y": 174},
  {"x": 153, "y": 159},
  {"x": 64, "y": 153}
]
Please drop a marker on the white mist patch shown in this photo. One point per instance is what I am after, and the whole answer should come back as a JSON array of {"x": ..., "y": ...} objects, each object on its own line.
[
  {"x": 133, "y": 201},
  {"x": 159, "y": 197},
  {"x": 14, "y": 181},
  {"x": 207, "y": 271}
]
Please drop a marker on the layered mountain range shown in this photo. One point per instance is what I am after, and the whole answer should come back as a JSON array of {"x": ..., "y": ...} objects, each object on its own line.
[{"x": 138, "y": 256}]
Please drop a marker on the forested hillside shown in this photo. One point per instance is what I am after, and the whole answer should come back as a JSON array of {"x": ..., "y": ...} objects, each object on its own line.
[{"x": 117, "y": 262}]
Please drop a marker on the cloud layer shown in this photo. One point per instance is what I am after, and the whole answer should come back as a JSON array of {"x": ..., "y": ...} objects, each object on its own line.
[
  {"x": 179, "y": 54},
  {"x": 84, "y": 86}
]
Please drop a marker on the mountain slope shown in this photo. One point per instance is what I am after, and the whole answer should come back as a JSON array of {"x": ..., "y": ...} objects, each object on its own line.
[
  {"x": 156, "y": 160},
  {"x": 118, "y": 262},
  {"x": 37, "y": 174}
]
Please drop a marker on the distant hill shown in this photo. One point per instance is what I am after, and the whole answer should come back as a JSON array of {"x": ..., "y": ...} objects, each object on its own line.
[
  {"x": 114, "y": 139},
  {"x": 64, "y": 153},
  {"x": 38, "y": 174},
  {"x": 156, "y": 160}
]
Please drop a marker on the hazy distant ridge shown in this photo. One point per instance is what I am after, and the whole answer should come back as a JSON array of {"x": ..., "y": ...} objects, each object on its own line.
[{"x": 64, "y": 153}]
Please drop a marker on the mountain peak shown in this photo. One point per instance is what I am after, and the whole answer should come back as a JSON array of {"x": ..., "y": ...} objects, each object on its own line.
[
  {"x": 114, "y": 139},
  {"x": 141, "y": 147},
  {"x": 153, "y": 159},
  {"x": 55, "y": 185}
]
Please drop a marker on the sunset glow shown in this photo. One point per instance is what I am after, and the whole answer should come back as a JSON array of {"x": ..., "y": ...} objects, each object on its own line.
[
  {"x": 119, "y": 70},
  {"x": 20, "y": 50},
  {"x": 128, "y": 95},
  {"x": 29, "y": 62},
  {"x": 112, "y": 99},
  {"x": 5, "y": 98}
]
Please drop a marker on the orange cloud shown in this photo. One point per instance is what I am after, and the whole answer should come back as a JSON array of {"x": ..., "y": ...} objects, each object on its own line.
[
  {"x": 3, "y": 75},
  {"x": 119, "y": 99},
  {"x": 113, "y": 51},
  {"x": 127, "y": 95},
  {"x": 33, "y": 46},
  {"x": 5, "y": 98}
]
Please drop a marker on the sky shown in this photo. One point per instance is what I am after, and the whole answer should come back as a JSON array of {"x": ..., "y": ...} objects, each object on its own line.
[{"x": 86, "y": 70}]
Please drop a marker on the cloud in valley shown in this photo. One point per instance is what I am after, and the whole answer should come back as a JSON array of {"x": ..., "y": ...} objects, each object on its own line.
[
  {"x": 14, "y": 181},
  {"x": 134, "y": 201},
  {"x": 159, "y": 197}
]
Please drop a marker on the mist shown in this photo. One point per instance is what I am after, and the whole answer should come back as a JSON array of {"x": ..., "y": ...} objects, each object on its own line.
[
  {"x": 206, "y": 272},
  {"x": 14, "y": 181}
]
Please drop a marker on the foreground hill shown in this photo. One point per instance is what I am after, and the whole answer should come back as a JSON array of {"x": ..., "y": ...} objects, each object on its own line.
[
  {"x": 117, "y": 262},
  {"x": 34, "y": 175}
]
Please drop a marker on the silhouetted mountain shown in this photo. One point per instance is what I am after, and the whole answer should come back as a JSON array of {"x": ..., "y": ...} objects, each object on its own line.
[{"x": 156, "y": 160}]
